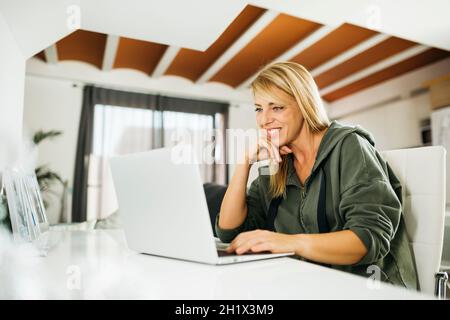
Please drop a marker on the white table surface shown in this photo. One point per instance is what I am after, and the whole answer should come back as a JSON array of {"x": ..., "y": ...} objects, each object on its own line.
[{"x": 98, "y": 265}]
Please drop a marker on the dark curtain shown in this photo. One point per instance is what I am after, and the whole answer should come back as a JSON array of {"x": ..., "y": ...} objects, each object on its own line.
[
  {"x": 192, "y": 106},
  {"x": 94, "y": 95},
  {"x": 84, "y": 148}
]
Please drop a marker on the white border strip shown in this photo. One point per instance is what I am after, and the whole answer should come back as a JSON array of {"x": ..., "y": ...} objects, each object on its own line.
[
  {"x": 165, "y": 61},
  {"x": 51, "y": 54},
  {"x": 112, "y": 43}
]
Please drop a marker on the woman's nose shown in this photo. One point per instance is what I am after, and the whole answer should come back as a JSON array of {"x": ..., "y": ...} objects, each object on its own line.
[{"x": 266, "y": 117}]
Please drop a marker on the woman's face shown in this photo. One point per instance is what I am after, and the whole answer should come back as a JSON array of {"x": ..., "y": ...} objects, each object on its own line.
[{"x": 281, "y": 119}]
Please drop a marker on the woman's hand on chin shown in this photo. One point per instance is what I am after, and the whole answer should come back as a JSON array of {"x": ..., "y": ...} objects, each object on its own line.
[
  {"x": 262, "y": 150},
  {"x": 285, "y": 150}
]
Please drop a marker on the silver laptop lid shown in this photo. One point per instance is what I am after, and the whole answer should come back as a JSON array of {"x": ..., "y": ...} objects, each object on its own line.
[{"x": 162, "y": 204}]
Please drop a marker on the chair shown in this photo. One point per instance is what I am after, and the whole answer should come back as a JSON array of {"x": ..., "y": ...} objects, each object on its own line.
[
  {"x": 214, "y": 195},
  {"x": 421, "y": 172}
]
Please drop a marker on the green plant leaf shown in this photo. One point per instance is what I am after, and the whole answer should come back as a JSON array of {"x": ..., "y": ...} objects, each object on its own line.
[
  {"x": 42, "y": 135},
  {"x": 46, "y": 178}
]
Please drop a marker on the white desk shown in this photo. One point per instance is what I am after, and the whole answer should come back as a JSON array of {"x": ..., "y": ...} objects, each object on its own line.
[{"x": 104, "y": 268}]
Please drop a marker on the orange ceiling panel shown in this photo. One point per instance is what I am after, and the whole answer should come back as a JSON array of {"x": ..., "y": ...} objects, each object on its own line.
[
  {"x": 333, "y": 44},
  {"x": 84, "y": 46},
  {"x": 41, "y": 56},
  {"x": 396, "y": 70},
  {"x": 139, "y": 55},
  {"x": 192, "y": 64},
  {"x": 381, "y": 51},
  {"x": 278, "y": 37}
]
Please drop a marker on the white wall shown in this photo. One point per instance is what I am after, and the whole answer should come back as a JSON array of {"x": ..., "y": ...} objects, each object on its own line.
[
  {"x": 12, "y": 74},
  {"x": 400, "y": 86},
  {"x": 394, "y": 125},
  {"x": 241, "y": 116},
  {"x": 54, "y": 105}
]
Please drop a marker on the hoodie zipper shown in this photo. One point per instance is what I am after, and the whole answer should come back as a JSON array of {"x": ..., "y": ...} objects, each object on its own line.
[
  {"x": 302, "y": 197},
  {"x": 302, "y": 193}
]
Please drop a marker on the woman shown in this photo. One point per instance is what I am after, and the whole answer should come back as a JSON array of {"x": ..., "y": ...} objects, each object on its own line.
[{"x": 335, "y": 201}]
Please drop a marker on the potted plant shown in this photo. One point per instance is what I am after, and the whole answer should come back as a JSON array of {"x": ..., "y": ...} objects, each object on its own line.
[{"x": 45, "y": 177}]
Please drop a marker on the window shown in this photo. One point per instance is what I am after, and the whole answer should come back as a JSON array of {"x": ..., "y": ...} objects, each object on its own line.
[
  {"x": 117, "y": 122},
  {"x": 121, "y": 130}
]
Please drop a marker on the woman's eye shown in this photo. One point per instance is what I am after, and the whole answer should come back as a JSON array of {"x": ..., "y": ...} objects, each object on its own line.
[
  {"x": 278, "y": 108},
  {"x": 257, "y": 109}
]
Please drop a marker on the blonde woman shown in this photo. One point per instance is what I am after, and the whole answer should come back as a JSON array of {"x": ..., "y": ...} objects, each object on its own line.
[{"x": 333, "y": 199}]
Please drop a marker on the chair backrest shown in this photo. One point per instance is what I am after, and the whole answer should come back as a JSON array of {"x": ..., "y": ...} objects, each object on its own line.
[
  {"x": 214, "y": 195},
  {"x": 421, "y": 172}
]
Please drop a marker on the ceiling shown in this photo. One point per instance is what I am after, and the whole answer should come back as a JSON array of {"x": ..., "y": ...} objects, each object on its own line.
[{"x": 343, "y": 59}]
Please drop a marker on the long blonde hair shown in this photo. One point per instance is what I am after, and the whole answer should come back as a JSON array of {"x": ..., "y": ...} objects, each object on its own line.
[{"x": 296, "y": 81}]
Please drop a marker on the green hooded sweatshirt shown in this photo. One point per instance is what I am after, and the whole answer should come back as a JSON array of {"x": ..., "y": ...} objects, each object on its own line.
[{"x": 362, "y": 195}]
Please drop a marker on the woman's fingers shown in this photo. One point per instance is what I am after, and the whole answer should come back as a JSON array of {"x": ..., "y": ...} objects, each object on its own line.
[
  {"x": 266, "y": 149},
  {"x": 274, "y": 154},
  {"x": 273, "y": 151},
  {"x": 256, "y": 244},
  {"x": 236, "y": 242},
  {"x": 244, "y": 241},
  {"x": 246, "y": 246},
  {"x": 262, "y": 246},
  {"x": 242, "y": 237},
  {"x": 285, "y": 150}
]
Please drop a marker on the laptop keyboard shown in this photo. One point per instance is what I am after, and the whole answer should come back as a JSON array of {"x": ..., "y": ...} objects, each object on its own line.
[{"x": 222, "y": 253}]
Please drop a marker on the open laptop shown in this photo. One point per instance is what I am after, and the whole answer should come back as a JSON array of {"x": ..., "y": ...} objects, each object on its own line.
[{"x": 163, "y": 207}]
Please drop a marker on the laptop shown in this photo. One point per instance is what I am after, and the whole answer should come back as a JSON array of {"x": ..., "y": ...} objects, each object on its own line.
[{"x": 163, "y": 207}]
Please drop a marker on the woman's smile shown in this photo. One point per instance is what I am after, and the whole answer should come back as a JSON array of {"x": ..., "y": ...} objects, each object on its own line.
[{"x": 273, "y": 132}]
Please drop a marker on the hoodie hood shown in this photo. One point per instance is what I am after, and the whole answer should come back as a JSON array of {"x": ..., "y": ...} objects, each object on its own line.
[{"x": 336, "y": 132}]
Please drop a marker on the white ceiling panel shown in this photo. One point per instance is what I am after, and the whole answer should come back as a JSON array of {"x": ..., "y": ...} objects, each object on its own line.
[{"x": 193, "y": 24}]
